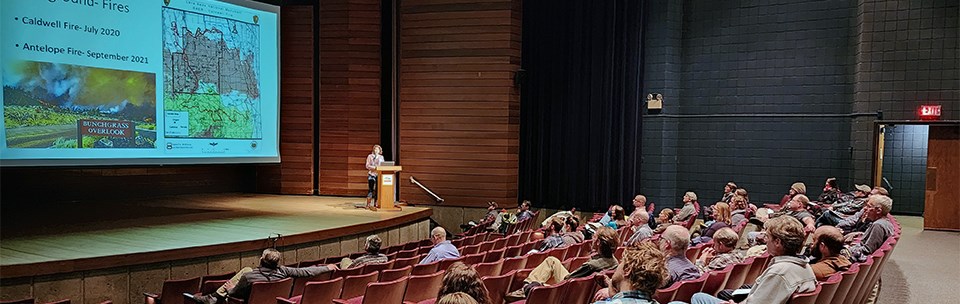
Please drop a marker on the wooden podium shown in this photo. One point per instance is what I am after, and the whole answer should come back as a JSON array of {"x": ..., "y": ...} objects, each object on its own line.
[{"x": 386, "y": 183}]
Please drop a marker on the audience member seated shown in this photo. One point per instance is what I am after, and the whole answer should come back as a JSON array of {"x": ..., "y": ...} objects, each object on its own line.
[
  {"x": 551, "y": 270},
  {"x": 857, "y": 222},
  {"x": 572, "y": 234},
  {"x": 561, "y": 215},
  {"x": 787, "y": 273},
  {"x": 831, "y": 193},
  {"x": 269, "y": 270},
  {"x": 523, "y": 211},
  {"x": 618, "y": 218},
  {"x": 688, "y": 209},
  {"x": 607, "y": 217},
  {"x": 721, "y": 215},
  {"x": 825, "y": 252},
  {"x": 555, "y": 240},
  {"x": 796, "y": 188},
  {"x": 461, "y": 278},
  {"x": 664, "y": 220},
  {"x": 845, "y": 206},
  {"x": 457, "y": 298},
  {"x": 722, "y": 253},
  {"x": 741, "y": 209},
  {"x": 880, "y": 228},
  {"x": 639, "y": 275},
  {"x": 674, "y": 242},
  {"x": 639, "y": 205},
  {"x": 442, "y": 248},
  {"x": 372, "y": 255},
  {"x": 797, "y": 208},
  {"x": 729, "y": 190},
  {"x": 642, "y": 231},
  {"x": 492, "y": 218}
]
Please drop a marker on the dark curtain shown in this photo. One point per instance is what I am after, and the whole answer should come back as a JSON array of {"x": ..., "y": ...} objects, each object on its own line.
[{"x": 581, "y": 102}]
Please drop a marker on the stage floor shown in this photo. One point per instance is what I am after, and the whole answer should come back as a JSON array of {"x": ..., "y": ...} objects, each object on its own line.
[{"x": 85, "y": 231}]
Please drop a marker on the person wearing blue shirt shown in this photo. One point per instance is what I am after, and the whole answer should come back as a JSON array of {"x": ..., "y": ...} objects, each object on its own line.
[{"x": 442, "y": 248}]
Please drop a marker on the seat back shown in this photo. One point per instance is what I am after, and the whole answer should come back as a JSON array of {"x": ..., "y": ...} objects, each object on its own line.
[
  {"x": 665, "y": 295},
  {"x": 619, "y": 253},
  {"x": 500, "y": 242},
  {"x": 716, "y": 280},
  {"x": 422, "y": 269},
  {"x": 267, "y": 292},
  {"x": 547, "y": 294},
  {"x": 858, "y": 282},
  {"x": 486, "y": 246},
  {"x": 805, "y": 298},
  {"x": 576, "y": 262},
  {"x": 377, "y": 267},
  {"x": 846, "y": 283},
  {"x": 355, "y": 285},
  {"x": 498, "y": 286},
  {"x": 444, "y": 264},
  {"x": 299, "y": 283},
  {"x": 468, "y": 250},
  {"x": 517, "y": 281},
  {"x": 309, "y": 263},
  {"x": 424, "y": 249},
  {"x": 513, "y": 240},
  {"x": 579, "y": 290},
  {"x": 739, "y": 274},
  {"x": 694, "y": 251},
  {"x": 758, "y": 266},
  {"x": 475, "y": 258},
  {"x": 527, "y": 247},
  {"x": 534, "y": 260},
  {"x": 871, "y": 278},
  {"x": 343, "y": 273},
  {"x": 406, "y": 253},
  {"x": 404, "y": 262},
  {"x": 393, "y": 274},
  {"x": 558, "y": 253},
  {"x": 411, "y": 245},
  {"x": 173, "y": 290},
  {"x": 488, "y": 269},
  {"x": 573, "y": 251},
  {"x": 425, "y": 287},
  {"x": 322, "y": 292},
  {"x": 493, "y": 255},
  {"x": 211, "y": 286},
  {"x": 688, "y": 288},
  {"x": 385, "y": 292},
  {"x": 513, "y": 251},
  {"x": 514, "y": 263},
  {"x": 828, "y": 288}
]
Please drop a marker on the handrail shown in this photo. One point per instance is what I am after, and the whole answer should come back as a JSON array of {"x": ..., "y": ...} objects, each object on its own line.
[{"x": 427, "y": 190}]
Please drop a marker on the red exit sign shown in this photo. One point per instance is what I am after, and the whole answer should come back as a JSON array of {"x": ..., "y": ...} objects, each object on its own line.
[{"x": 930, "y": 111}]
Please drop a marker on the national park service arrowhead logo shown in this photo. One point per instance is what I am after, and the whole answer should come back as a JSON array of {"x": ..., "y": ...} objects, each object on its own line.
[
  {"x": 256, "y": 19},
  {"x": 166, "y": 2}
]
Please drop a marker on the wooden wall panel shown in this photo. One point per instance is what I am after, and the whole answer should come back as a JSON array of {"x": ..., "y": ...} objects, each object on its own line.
[
  {"x": 294, "y": 174},
  {"x": 459, "y": 110},
  {"x": 349, "y": 93}
]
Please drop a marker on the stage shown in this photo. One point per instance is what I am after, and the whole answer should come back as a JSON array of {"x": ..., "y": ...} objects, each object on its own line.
[{"x": 81, "y": 236}]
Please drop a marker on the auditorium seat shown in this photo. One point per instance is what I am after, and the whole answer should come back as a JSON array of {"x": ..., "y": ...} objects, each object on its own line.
[
  {"x": 171, "y": 292},
  {"x": 422, "y": 269},
  {"x": 355, "y": 285},
  {"x": 619, "y": 253},
  {"x": 846, "y": 283},
  {"x": 299, "y": 283},
  {"x": 498, "y": 286},
  {"x": 513, "y": 263},
  {"x": 573, "y": 251},
  {"x": 579, "y": 290},
  {"x": 488, "y": 269},
  {"x": 534, "y": 259},
  {"x": 871, "y": 277},
  {"x": 409, "y": 261},
  {"x": 858, "y": 281},
  {"x": 499, "y": 242},
  {"x": 470, "y": 249},
  {"x": 425, "y": 287},
  {"x": 513, "y": 251},
  {"x": 829, "y": 288},
  {"x": 558, "y": 253},
  {"x": 322, "y": 292},
  {"x": 342, "y": 273},
  {"x": 694, "y": 251},
  {"x": 664, "y": 295},
  {"x": 407, "y": 253},
  {"x": 211, "y": 286},
  {"x": 485, "y": 246},
  {"x": 805, "y": 298},
  {"x": 545, "y": 294},
  {"x": 518, "y": 277},
  {"x": 688, "y": 288},
  {"x": 424, "y": 249},
  {"x": 716, "y": 279},
  {"x": 377, "y": 267},
  {"x": 444, "y": 264},
  {"x": 265, "y": 292},
  {"x": 471, "y": 259},
  {"x": 493, "y": 255},
  {"x": 379, "y": 292},
  {"x": 575, "y": 262},
  {"x": 393, "y": 274},
  {"x": 757, "y": 268},
  {"x": 739, "y": 273},
  {"x": 309, "y": 263},
  {"x": 513, "y": 240}
]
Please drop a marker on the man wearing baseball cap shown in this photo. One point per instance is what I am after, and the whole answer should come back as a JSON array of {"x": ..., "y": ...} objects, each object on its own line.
[{"x": 846, "y": 206}]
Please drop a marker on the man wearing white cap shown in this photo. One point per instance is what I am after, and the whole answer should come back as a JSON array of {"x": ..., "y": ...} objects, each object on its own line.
[{"x": 847, "y": 205}]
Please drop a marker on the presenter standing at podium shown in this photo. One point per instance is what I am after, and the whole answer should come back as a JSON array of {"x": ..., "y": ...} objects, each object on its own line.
[{"x": 373, "y": 160}]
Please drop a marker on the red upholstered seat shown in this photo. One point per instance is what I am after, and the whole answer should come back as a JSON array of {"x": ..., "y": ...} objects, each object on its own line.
[
  {"x": 299, "y": 283},
  {"x": 393, "y": 274},
  {"x": 377, "y": 267},
  {"x": 422, "y": 269},
  {"x": 354, "y": 286},
  {"x": 666, "y": 294},
  {"x": 805, "y": 298},
  {"x": 498, "y": 286},
  {"x": 545, "y": 294},
  {"x": 514, "y": 263},
  {"x": 171, "y": 292},
  {"x": 266, "y": 292},
  {"x": 322, "y": 292},
  {"x": 488, "y": 269},
  {"x": 403, "y": 262},
  {"x": 757, "y": 268},
  {"x": 846, "y": 283},
  {"x": 380, "y": 292},
  {"x": 716, "y": 280},
  {"x": 493, "y": 255},
  {"x": 688, "y": 288},
  {"x": 425, "y": 287},
  {"x": 739, "y": 274},
  {"x": 343, "y": 273},
  {"x": 828, "y": 289},
  {"x": 444, "y": 264},
  {"x": 579, "y": 290}
]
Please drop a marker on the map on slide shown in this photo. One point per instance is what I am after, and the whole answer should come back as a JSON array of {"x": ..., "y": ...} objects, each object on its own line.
[{"x": 211, "y": 85}]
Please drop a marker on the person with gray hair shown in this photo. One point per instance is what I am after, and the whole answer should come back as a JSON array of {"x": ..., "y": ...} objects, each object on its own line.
[
  {"x": 442, "y": 248},
  {"x": 372, "y": 255},
  {"x": 640, "y": 220},
  {"x": 880, "y": 228},
  {"x": 674, "y": 242},
  {"x": 689, "y": 199},
  {"x": 270, "y": 270}
]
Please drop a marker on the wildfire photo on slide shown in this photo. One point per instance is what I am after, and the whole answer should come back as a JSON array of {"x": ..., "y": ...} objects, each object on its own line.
[{"x": 54, "y": 105}]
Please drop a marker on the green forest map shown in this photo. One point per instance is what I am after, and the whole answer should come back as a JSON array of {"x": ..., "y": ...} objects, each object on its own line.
[{"x": 210, "y": 73}]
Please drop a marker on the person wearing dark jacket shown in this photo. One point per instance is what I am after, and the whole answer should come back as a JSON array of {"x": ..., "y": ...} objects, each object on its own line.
[{"x": 269, "y": 270}]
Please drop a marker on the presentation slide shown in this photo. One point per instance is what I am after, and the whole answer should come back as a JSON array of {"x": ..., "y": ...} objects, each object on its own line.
[{"x": 124, "y": 82}]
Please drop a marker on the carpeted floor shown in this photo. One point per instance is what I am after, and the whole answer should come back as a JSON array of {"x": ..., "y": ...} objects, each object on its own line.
[{"x": 924, "y": 268}]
